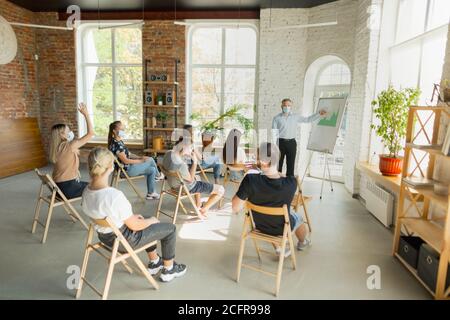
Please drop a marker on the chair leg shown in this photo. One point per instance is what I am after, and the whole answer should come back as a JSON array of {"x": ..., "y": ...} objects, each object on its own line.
[
  {"x": 87, "y": 252},
  {"x": 158, "y": 211},
  {"x": 77, "y": 215},
  {"x": 280, "y": 264},
  {"x": 112, "y": 263},
  {"x": 133, "y": 186},
  {"x": 49, "y": 217},
  {"x": 291, "y": 245},
  {"x": 177, "y": 206},
  {"x": 69, "y": 213},
  {"x": 308, "y": 221},
  {"x": 141, "y": 266},
  {"x": 37, "y": 210},
  {"x": 242, "y": 247},
  {"x": 257, "y": 249},
  {"x": 193, "y": 203}
]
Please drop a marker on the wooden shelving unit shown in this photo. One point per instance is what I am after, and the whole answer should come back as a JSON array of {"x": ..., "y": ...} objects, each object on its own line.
[
  {"x": 421, "y": 198},
  {"x": 160, "y": 79}
]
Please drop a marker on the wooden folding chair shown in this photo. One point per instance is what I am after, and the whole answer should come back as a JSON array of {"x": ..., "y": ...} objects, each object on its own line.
[
  {"x": 120, "y": 174},
  {"x": 301, "y": 201},
  {"x": 179, "y": 193},
  {"x": 227, "y": 180},
  {"x": 202, "y": 172},
  {"x": 55, "y": 199},
  {"x": 250, "y": 231},
  {"x": 113, "y": 256}
]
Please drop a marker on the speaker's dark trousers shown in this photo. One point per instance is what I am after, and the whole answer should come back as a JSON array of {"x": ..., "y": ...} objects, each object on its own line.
[{"x": 288, "y": 150}]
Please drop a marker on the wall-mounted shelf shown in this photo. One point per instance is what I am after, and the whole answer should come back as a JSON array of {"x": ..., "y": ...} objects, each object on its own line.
[
  {"x": 163, "y": 88},
  {"x": 162, "y": 83},
  {"x": 158, "y": 106}
]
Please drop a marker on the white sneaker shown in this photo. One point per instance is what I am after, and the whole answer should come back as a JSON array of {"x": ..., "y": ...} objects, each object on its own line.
[
  {"x": 160, "y": 177},
  {"x": 287, "y": 252},
  {"x": 303, "y": 245},
  {"x": 152, "y": 196}
]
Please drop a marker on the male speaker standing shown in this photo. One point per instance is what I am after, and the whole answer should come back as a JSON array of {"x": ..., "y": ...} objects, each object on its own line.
[{"x": 286, "y": 123}]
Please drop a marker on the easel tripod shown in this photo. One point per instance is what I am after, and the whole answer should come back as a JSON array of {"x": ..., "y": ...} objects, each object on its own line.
[{"x": 326, "y": 168}]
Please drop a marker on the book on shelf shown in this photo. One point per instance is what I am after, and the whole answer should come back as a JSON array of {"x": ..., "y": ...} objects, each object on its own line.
[
  {"x": 446, "y": 144},
  {"x": 419, "y": 181}
]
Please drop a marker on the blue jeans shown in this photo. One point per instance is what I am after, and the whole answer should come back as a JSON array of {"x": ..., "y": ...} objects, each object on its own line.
[
  {"x": 214, "y": 163},
  {"x": 147, "y": 168}
]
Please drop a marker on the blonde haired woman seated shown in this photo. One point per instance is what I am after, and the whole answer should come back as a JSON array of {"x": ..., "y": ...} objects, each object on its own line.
[
  {"x": 101, "y": 200},
  {"x": 64, "y": 153}
]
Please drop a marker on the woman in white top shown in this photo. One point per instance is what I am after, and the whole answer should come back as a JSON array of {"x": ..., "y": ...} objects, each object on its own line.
[{"x": 100, "y": 201}]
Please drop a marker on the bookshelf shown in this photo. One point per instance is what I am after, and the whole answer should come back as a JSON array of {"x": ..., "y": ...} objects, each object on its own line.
[
  {"x": 419, "y": 199},
  {"x": 160, "y": 96}
]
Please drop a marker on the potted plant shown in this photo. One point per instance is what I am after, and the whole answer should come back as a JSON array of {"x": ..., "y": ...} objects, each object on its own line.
[
  {"x": 162, "y": 118},
  {"x": 392, "y": 112},
  {"x": 211, "y": 128}
]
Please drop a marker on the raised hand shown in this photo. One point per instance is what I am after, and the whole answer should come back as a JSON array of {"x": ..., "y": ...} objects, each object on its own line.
[{"x": 83, "y": 109}]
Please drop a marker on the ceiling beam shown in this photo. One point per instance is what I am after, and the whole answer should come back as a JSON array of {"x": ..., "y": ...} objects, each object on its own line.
[{"x": 166, "y": 15}]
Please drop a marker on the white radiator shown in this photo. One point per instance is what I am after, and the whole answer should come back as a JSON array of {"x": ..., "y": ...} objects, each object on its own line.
[{"x": 378, "y": 201}]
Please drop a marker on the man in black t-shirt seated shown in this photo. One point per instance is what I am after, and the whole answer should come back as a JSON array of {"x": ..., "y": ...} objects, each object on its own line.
[{"x": 270, "y": 189}]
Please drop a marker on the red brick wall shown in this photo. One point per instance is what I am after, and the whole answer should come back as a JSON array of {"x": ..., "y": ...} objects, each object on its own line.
[
  {"x": 163, "y": 39},
  {"x": 56, "y": 75},
  {"x": 47, "y": 89},
  {"x": 19, "y": 96}
]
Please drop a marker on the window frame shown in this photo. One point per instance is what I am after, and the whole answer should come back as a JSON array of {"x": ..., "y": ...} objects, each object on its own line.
[
  {"x": 419, "y": 38},
  {"x": 82, "y": 65},
  {"x": 223, "y": 65}
]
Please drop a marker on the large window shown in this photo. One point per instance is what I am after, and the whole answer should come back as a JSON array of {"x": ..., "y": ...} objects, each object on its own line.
[
  {"x": 110, "y": 77},
  {"x": 222, "y": 72},
  {"x": 417, "y": 55}
]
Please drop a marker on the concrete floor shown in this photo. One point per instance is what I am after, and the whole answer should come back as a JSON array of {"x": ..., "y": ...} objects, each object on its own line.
[{"x": 346, "y": 240}]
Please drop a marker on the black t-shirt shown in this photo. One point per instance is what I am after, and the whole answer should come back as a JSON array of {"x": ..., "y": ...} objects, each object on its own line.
[{"x": 263, "y": 191}]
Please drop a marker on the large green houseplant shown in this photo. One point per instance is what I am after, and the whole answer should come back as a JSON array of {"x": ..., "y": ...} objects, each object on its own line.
[
  {"x": 391, "y": 109},
  {"x": 210, "y": 129}
]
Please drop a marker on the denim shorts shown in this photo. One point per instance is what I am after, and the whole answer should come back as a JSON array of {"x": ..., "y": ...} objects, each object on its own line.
[
  {"x": 202, "y": 187},
  {"x": 298, "y": 220}
]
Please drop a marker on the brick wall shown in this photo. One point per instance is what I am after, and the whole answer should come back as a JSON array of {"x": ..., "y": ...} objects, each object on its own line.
[
  {"x": 286, "y": 54},
  {"x": 164, "y": 40},
  {"x": 56, "y": 75},
  {"x": 18, "y": 80}
]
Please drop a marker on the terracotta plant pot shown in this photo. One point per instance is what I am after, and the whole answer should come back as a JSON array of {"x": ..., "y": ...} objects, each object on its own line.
[{"x": 390, "y": 166}]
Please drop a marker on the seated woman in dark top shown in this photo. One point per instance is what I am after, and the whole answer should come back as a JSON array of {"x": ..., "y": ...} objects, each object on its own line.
[
  {"x": 270, "y": 189},
  {"x": 133, "y": 164}
]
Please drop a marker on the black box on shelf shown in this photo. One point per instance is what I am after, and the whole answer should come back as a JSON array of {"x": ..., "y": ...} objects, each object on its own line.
[
  {"x": 408, "y": 249},
  {"x": 428, "y": 267}
]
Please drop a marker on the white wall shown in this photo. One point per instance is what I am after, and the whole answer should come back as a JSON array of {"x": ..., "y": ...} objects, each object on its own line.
[{"x": 286, "y": 54}]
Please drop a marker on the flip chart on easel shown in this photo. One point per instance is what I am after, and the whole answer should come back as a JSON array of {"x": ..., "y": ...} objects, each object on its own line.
[{"x": 324, "y": 133}]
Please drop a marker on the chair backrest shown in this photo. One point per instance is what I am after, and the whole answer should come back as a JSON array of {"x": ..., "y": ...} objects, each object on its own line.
[
  {"x": 174, "y": 174},
  {"x": 107, "y": 223},
  {"x": 236, "y": 167},
  {"x": 270, "y": 211},
  {"x": 48, "y": 181},
  {"x": 117, "y": 164}
]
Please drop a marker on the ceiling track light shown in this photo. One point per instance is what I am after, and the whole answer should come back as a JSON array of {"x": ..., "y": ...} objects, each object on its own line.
[
  {"x": 302, "y": 26},
  {"x": 41, "y": 26},
  {"x": 140, "y": 23}
]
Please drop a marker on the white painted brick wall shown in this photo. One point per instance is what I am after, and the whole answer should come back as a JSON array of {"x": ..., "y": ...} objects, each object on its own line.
[{"x": 286, "y": 54}]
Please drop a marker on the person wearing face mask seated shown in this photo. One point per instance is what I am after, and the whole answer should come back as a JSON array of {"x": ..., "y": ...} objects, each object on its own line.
[
  {"x": 174, "y": 160},
  {"x": 270, "y": 189},
  {"x": 286, "y": 123},
  {"x": 100, "y": 201},
  {"x": 133, "y": 164},
  {"x": 64, "y": 153}
]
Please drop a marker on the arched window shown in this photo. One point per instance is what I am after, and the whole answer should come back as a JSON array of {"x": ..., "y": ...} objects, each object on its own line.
[{"x": 331, "y": 77}]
